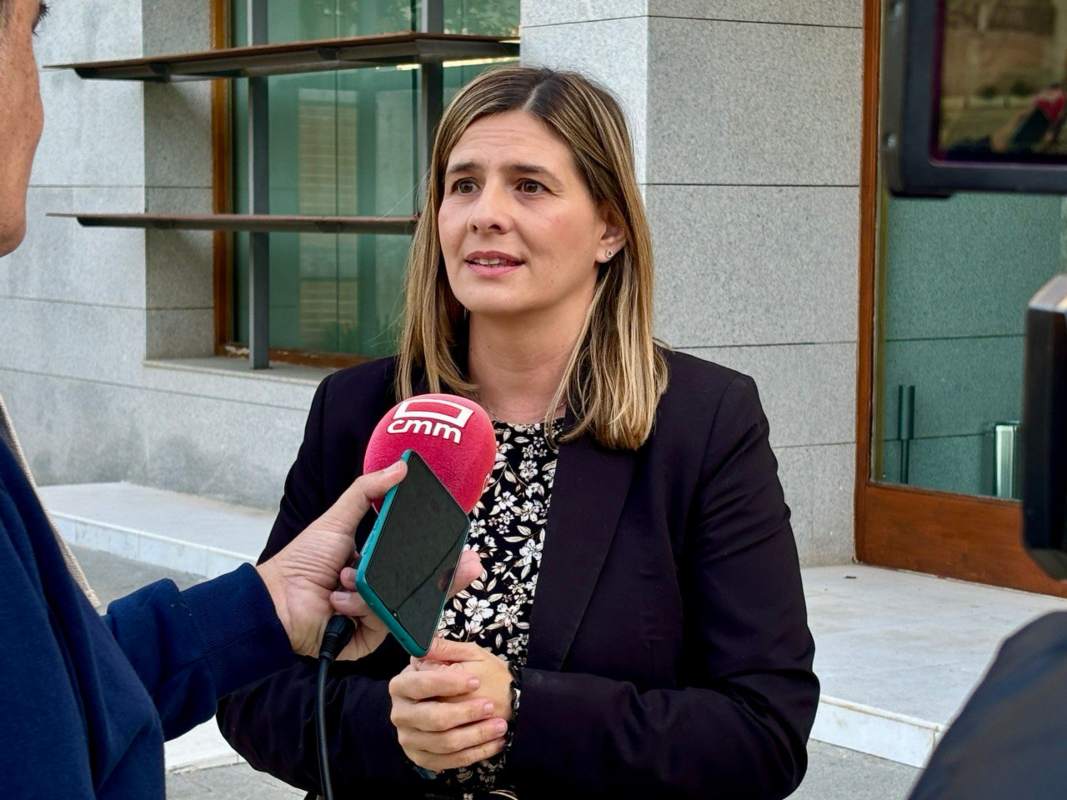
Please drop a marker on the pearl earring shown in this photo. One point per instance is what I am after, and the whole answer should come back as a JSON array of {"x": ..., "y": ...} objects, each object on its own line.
[{"x": 609, "y": 254}]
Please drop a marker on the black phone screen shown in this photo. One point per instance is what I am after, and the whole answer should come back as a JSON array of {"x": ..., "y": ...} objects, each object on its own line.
[{"x": 418, "y": 546}]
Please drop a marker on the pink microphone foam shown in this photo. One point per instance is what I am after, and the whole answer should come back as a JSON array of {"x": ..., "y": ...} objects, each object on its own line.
[{"x": 453, "y": 435}]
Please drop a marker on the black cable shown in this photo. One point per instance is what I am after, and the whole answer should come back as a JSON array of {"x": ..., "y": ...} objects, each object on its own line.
[
  {"x": 320, "y": 727},
  {"x": 338, "y": 631}
]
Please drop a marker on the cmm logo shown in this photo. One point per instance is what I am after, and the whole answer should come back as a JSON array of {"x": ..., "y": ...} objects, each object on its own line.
[{"x": 431, "y": 417}]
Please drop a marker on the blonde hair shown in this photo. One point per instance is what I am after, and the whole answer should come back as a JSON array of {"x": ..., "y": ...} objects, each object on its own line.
[{"x": 615, "y": 375}]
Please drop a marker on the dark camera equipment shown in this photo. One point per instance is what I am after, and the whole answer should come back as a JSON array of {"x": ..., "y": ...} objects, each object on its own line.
[
  {"x": 963, "y": 110},
  {"x": 1044, "y": 429}
]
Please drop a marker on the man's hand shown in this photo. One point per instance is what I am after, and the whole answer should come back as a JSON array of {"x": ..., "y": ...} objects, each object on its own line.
[
  {"x": 370, "y": 631},
  {"x": 451, "y": 708},
  {"x": 302, "y": 579}
]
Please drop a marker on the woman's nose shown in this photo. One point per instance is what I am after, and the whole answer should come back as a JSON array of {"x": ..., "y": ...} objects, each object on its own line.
[{"x": 490, "y": 212}]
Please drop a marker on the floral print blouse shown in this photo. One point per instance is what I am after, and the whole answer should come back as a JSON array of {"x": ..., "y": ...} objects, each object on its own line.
[{"x": 508, "y": 529}]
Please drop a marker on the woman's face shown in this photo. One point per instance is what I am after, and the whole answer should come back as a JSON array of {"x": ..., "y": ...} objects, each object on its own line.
[{"x": 519, "y": 229}]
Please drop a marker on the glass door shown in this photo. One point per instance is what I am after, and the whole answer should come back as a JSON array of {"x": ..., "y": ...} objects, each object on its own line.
[
  {"x": 956, "y": 276},
  {"x": 945, "y": 285}
]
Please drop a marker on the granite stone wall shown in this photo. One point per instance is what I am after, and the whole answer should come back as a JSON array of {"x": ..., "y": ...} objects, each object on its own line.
[
  {"x": 106, "y": 335},
  {"x": 747, "y": 120}
]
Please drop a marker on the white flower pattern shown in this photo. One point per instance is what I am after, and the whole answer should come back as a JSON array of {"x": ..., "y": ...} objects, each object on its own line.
[{"x": 508, "y": 529}]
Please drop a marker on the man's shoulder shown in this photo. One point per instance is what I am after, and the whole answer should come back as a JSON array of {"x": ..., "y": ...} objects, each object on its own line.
[{"x": 1008, "y": 739}]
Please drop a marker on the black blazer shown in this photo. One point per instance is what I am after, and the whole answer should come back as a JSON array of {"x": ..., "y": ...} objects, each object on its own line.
[{"x": 669, "y": 649}]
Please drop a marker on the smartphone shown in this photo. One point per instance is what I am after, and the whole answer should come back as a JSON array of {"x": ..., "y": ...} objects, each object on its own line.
[{"x": 411, "y": 554}]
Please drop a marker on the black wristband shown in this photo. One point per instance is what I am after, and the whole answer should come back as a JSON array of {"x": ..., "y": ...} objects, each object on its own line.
[{"x": 516, "y": 697}]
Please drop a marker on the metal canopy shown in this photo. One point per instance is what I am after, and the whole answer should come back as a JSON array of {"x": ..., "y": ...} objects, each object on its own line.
[
  {"x": 256, "y": 223},
  {"x": 390, "y": 49},
  {"x": 429, "y": 48}
]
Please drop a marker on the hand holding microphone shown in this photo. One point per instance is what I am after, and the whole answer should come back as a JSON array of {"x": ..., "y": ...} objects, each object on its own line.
[
  {"x": 370, "y": 631},
  {"x": 452, "y": 708},
  {"x": 302, "y": 578},
  {"x": 414, "y": 555},
  {"x": 408, "y": 560}
]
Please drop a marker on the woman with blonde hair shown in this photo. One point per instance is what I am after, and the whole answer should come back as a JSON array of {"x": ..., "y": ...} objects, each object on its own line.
[{"x": 639, "y": 629}]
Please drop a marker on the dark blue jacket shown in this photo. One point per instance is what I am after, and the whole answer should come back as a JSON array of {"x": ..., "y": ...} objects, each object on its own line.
[
  {"x": 669, "y": 655},
  {"x": 86, "y": 701}
]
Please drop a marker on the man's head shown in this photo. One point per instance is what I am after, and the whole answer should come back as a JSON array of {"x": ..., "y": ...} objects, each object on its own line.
[{"x": 21, "y": 114}]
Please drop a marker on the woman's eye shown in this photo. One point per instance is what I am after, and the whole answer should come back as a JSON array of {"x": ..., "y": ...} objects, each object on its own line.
[
  {"x": 530, "y": 187},
  {"x": 463, "y": 186}
]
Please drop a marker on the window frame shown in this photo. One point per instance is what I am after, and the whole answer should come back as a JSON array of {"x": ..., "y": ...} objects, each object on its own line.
[{"x": 224, "y": 250}]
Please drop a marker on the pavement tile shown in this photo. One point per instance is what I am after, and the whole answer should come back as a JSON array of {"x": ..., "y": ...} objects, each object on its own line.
[{"x": 239, "y": 782}]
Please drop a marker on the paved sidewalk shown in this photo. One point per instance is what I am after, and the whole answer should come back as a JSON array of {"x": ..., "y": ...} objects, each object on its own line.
[
  {"x": 112, "y": 577},
  {"x": 838, "y": 774},
  {"x": 834, "y": 774},
  {"x": 239, "y": 782}
]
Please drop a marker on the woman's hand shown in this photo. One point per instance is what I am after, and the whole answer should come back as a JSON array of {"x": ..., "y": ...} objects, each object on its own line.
[
  {"x": 443, "y": 720},
  {"x": 492, "y": 672}
]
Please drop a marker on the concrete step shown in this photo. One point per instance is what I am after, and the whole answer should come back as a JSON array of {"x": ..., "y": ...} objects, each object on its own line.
[
  {"x": 201, "y": 748},
  {"x": 898, "y": 653},
  {"x": 166, "y": 529}
]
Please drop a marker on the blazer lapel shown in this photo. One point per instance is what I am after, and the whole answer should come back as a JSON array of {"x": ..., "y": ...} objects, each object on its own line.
[{"x": 588, "y": 493}]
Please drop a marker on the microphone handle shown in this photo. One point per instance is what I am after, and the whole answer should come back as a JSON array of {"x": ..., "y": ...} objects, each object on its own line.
[{"x": 339, "y": 631}]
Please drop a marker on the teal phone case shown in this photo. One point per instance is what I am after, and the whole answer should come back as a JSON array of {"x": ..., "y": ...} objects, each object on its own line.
[{"x": 367, "y": 592}]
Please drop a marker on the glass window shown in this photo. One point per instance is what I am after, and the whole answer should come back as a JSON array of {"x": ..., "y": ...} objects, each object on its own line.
[
  {"x": 956, "y": 278},
  {"x": 341, "y": 143}
]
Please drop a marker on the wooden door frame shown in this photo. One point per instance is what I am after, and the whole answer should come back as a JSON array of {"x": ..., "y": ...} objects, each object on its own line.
[
  {"x": 955, "y": 536},
  {"x": 222, "y": 180}
]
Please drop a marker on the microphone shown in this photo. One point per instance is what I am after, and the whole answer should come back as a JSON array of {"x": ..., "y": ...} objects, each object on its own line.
[{"x": 454, "y": 436}]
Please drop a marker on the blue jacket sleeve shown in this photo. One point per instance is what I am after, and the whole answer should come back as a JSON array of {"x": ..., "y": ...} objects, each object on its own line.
[
  {"x": 73, "y": 715},
  {"x": 191, "y": 648}
]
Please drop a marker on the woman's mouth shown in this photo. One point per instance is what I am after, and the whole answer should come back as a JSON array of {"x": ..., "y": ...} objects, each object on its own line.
[{"x": 492, "y": 265}]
